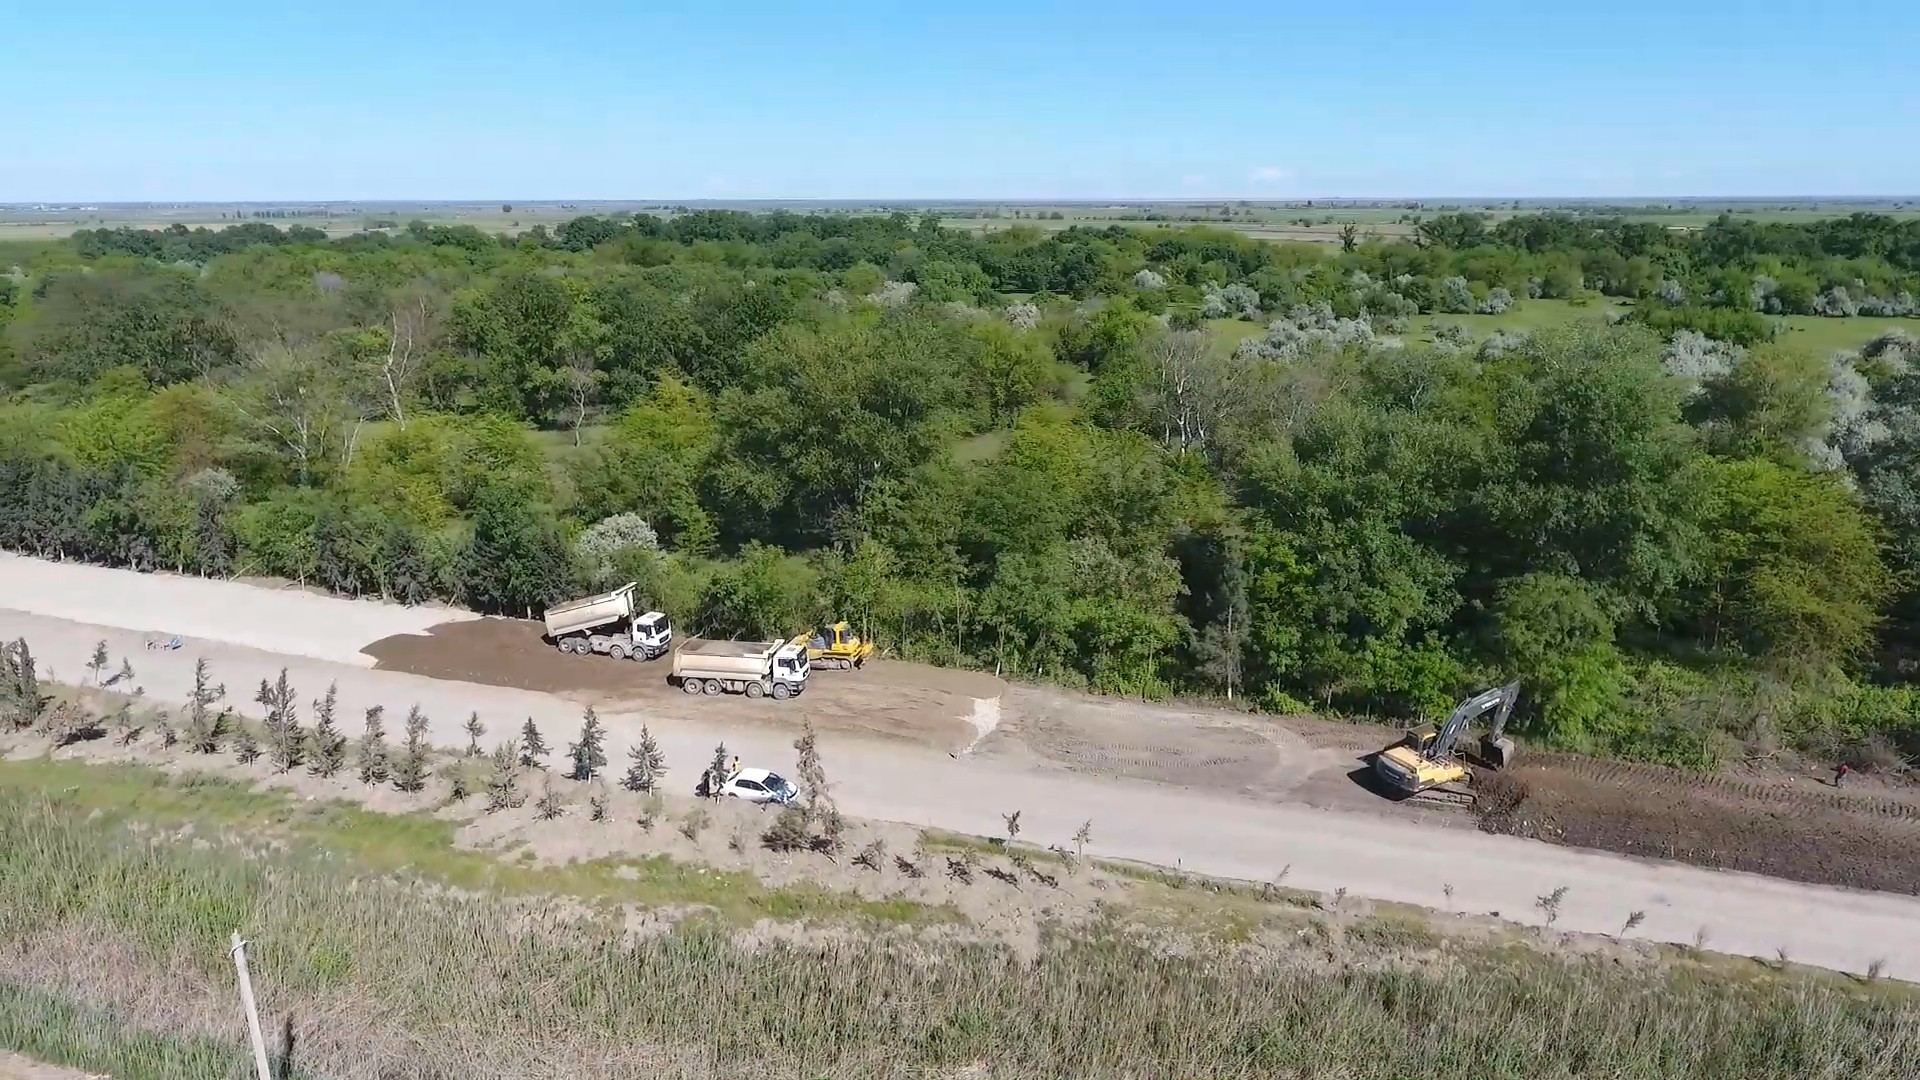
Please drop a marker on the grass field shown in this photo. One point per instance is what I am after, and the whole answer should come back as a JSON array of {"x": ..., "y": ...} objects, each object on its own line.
[{"x": 380, "y": 974}]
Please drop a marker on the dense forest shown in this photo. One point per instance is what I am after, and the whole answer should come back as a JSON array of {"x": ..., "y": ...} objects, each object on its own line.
[{"x": 1023, "y": 449}]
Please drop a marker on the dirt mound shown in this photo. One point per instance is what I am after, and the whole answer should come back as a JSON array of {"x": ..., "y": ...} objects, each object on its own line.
[
  {"x": 505, "y": 652},
  {"x": 1779, "y": 829},
  {"x": 887, "y": 698}
]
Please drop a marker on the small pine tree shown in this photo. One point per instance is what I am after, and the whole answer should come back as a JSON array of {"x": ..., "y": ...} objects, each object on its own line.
[
  {"x": 457, "y": 785},
  {"x": 371, "y": 760},
  {"x": 206, "y": 731},
  {"x": 205, "y": 728},
  {"x": 245, "y": 746},
  {"x": 410, "y": 773},
  {"x": 550, "y": 805},
  {"x": 649, "y": 763},
  {"x": 533, "y": 748},
  {"x": 589, "y": 755},
  {"x": 597, "y": 803},
  {"x": 169, "y": 738},
  {"x": 717, "y": 771},
  {"x": 474, "y": 729},
  {"x": 97, "y": 663},
  {"x": 821, "y": 814},
  {"x": 503, "y": 782},
  {"x": 124, "y": 675},
  {"x": 328, "y": 745},
  {"x": 813, "y": 775},
  {"x": 9, "y": 687},
  {"x": 286, "y": 740},
  {"x": 28, "y": 702}
]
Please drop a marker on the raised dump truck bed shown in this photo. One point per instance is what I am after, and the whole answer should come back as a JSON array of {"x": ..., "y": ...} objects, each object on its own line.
[{"x": 609, "y": 623}]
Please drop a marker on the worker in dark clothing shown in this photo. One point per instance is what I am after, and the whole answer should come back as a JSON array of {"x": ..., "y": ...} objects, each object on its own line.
[{"x": 1840, "y": 772}]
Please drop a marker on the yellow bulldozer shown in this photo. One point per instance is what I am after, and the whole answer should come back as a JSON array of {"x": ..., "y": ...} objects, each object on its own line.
[
  {"x": 835, "y": 646},
  {"x": 1425, "y": 763}
]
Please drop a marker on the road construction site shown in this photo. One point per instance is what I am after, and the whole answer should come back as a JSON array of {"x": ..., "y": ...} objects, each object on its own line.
[{"x": 1208, "y": 790}]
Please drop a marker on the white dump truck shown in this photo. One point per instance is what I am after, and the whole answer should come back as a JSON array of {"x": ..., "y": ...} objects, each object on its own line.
[
  {"x": 753, "y": 668},
  {"x": 608, "y": 623}
]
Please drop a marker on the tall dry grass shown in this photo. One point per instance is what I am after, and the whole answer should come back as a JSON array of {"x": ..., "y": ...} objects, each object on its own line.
[{"x": 385, "y": 979}]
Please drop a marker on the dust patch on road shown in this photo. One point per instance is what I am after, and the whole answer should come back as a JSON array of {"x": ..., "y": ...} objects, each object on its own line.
[
  {"x": 889, "y": 699},
  {"x": 1145, "y": 741}
]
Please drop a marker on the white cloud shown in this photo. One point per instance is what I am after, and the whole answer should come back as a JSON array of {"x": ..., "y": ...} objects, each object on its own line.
[{"x": 1269, "y": 174}]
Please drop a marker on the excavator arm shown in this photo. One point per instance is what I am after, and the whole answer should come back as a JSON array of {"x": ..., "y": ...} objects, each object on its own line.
[{"x": 1500, "y": 700}]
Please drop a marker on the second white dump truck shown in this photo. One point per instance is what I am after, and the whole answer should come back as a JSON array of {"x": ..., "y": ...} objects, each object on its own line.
[
  {"x": 608, "y": 623},
  {"x": 775, "y": 669}
]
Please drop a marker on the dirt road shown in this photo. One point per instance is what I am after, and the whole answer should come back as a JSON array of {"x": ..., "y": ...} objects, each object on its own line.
[{"x": 1227, "y": 829}]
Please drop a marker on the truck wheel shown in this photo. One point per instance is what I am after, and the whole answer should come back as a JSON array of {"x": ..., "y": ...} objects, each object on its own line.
[
  {"x": 755, "y": 690},
  {"x": 691, "y": 686},
  {"x": 712, "y": 688},
  {"x": 780, "y": 692},
  {"x": 618, "y": 652}
]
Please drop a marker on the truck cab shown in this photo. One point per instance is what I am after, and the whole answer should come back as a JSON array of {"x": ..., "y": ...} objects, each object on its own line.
[
  {"x": 652, "y": 634},
  {"x": 790, "y": 670}
]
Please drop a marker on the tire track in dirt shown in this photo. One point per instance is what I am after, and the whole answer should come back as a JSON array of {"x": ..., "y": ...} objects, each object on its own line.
[{"x": 1636, "y": 774}]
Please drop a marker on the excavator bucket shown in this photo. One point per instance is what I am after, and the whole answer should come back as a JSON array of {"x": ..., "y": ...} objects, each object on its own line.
[{"x": 1497, "y": 752}]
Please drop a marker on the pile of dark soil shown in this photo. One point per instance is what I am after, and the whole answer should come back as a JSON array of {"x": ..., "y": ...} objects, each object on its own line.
[{"x": 1790, "y": 829}]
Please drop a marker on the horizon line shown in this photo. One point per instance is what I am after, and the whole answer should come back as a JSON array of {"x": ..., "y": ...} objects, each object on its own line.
[{"x": 1172, "y": 200}]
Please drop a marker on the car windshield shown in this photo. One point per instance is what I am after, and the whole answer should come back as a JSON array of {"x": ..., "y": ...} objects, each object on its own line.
[{"x": 776, "y": 782}]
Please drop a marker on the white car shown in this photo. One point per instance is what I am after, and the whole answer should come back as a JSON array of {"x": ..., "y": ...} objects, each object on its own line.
[{"x": 760, "y": 786}]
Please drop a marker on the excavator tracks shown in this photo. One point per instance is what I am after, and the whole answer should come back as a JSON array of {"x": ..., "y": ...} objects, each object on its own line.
[{"x": 1460, "y": 795}]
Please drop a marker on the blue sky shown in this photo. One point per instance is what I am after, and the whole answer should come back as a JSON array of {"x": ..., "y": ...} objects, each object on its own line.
[{"x": 988, "y": 99}]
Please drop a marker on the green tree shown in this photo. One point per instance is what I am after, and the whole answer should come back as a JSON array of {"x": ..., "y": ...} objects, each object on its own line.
[
  {"x": 649, "y": 763},
  {"x": 765, "y": 594},
  {"x": 516, "y": 561},
  {"x": 533, "y": 748},
  {"x": 404, "y": 575},
  {"x": 410, "y": 772},
  {"x": 588, "y": 754},
  {"x": 329, "y": 745},
  {"x": 1793, "y": 567},
  {"x": 205, "y": 728},
  {"x": 1552, "y": 633},
  {"x": 371, "y": 758}
]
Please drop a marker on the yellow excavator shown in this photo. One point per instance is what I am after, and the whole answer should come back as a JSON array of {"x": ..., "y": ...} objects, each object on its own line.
[
  {"x": 835, "y": 646},
  {"x": 1424, "y": 762}
]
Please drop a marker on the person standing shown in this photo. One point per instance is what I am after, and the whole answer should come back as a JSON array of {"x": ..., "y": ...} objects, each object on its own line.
[{"x": 1840, "y": 772}]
